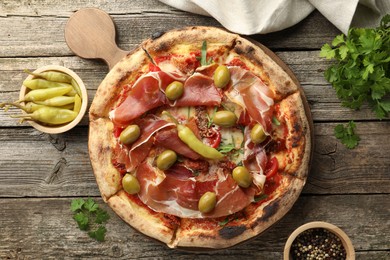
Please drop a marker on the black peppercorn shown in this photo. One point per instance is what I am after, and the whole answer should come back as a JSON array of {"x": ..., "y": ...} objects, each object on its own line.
[{"x": 317, "y": 243}]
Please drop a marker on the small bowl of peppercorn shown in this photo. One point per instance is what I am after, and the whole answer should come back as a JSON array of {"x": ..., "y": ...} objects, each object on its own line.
[{"x": 318, "y": 240}]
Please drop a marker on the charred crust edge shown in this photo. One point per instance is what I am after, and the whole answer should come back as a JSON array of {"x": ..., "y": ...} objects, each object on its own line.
[{"x": 230, "y": 232}]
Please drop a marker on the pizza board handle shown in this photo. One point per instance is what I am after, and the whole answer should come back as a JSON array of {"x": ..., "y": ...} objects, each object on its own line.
[{"x": 90, "y": 34}]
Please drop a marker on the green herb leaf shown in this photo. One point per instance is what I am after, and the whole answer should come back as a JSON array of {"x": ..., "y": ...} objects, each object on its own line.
[
  {"x": 327, "y": 52},
  {"x": 98, "y": 234},
  {"x": 338, "y": 40},
  {"x": 90, "y": 205},
  {"x": 101, "y": 216},
  {"x": 90, "y": 217},
  {"x": 224, "y": 222},
  {"x": 361, "y": 72},
  {"x": 346, "y": 134},
  {"x": 203, "y": 55},
  {"x": 82, "y": 220},
  {"x": 260, "y": 197},
  {"x": 385, "y": 22},
  {"x": 77, "y": 204},
  {"x": 275, "y": 121},
  {"x": 226, "y": 148}
]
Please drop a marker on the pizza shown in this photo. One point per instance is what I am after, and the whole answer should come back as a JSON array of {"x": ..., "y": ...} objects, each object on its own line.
[{"x": 200, "y": 138}]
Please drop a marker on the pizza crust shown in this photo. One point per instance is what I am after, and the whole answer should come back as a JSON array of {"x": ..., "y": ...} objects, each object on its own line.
[
  {"x": 141, "y": 218},
  {"x": 100, "y": 141},
  {"x": 189, "y": 39},
  {"x": 269, "y": 213},
  {"x": 298, "y": 142}
]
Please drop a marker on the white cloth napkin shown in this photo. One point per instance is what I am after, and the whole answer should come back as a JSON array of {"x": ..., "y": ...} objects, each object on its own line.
[{"x": 265, "y": 16}]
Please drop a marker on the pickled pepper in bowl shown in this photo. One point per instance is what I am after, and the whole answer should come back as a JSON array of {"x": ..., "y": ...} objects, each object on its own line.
[{"x": 54, "y": 98}]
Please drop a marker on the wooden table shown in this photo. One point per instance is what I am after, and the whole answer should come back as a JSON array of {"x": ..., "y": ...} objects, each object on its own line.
[{"x": 40, "y": 173}]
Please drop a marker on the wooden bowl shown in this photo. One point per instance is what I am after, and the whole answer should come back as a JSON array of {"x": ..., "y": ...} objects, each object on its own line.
[
  {"x": 56, "y": 129},
  {"x": 349, "y": 249}
]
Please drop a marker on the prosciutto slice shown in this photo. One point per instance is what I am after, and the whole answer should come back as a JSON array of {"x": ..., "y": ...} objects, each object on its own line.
[
  {"x": 177, "y": 191},
  {"x": 133, "y": 156},
  {"x": 252, "y": 94},
  {"x": 148, "y": 93},
  {"x": 199, "y": 90},
  {"x": 255, "y": 160},
  {"x": 143, "y": 96},
  {"x": 169, "y": 139}
]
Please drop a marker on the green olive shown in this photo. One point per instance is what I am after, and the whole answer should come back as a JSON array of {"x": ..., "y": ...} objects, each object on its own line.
[
  {"x": 207, "y": 202},
  {"x": 174, "y": 90},
  {"x": 130, "y": 134},
  {"x": 130, "y": 184},
  {"x": 225, "y": 118},
  {"x": 242, "y": 176},
  {"x": 166, "y": 159},
  {"x": 221, "y": 76},
  {"x": 257, "y": 134}
]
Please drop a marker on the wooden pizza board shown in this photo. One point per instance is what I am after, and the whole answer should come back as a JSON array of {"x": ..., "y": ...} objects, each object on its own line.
[{"x": 90, "y": 34}]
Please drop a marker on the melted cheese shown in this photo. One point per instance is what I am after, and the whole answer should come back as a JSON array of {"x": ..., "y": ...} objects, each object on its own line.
[{"x": 233, "y": 136}]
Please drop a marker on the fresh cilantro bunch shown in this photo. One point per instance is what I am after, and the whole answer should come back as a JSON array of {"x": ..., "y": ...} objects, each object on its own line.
[
  {"x": 347, "y": 134},
  {"x": 90, "y": 217},
  {"x": 362, "y": 70}
]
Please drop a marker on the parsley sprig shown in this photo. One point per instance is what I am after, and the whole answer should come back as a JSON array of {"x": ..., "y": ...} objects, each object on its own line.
[
  {"x": 347, "y": 134},
  {"x": 362, "y": 70},
  {"x": 90, "y": 217}
]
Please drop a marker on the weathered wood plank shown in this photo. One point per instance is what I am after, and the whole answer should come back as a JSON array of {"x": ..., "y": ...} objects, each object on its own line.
[
  {"x": 336, "y": 169},
  {"x": 64, "y": 8},
  {"x": 36, "y": 164},
  {"x": 22, "y": 24},
  {"x": 30, "y": 225}
]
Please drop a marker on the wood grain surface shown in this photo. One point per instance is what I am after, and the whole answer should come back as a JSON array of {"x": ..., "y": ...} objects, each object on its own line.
[{"x": 40, "y": 173}]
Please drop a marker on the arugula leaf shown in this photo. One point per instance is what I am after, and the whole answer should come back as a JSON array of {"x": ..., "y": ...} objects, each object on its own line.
[
  {"x": 260, "y": 197},
  {"x": 203, "y": 55},
  {"x": 275, "y": 121},
  {"x": 224, "y": 222},
  {"x": 225, "y": 148},
  {"x": 361, "y": 72},
  {"x": 98, "y": 234},
  {"x": 347, "y": 134}
]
